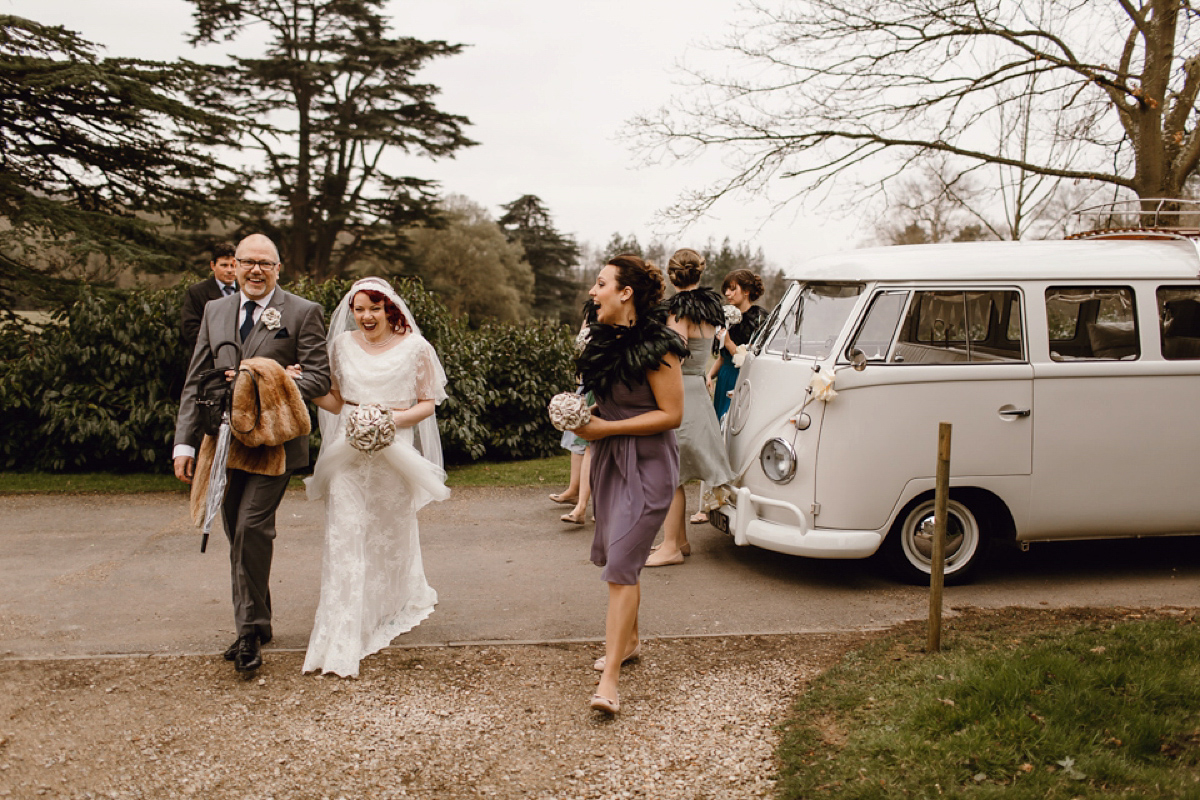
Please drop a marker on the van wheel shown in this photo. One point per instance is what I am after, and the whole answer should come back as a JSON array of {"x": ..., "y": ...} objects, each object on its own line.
[{"x": 908, "y": 548}]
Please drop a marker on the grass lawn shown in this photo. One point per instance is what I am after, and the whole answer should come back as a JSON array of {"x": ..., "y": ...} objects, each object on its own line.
[
  {"x": 554, "y": 471},
  {"x": 1019, "y": 704}
]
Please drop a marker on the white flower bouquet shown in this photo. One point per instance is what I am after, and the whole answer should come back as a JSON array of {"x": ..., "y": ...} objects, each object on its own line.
[
  {"x": 581, "y": 339},
  {"x": 370, "y": 428},
  {"x": 569, "y": 411},
  {"x": 733, "y": 315}
]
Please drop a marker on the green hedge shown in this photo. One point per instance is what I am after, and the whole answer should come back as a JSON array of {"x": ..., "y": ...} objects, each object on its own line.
[{"x": 97, "y": 388}]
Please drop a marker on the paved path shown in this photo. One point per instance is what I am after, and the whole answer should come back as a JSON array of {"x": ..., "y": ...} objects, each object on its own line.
[{"x": 87, "y": 575}]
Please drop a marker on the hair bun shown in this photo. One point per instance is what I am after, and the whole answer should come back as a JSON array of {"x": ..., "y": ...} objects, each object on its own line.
[
  {"x": 750, "y": 282},
  {"x": 644, "y": 278},
  {"x": 658, "y": 286},
  {"x": 685, "y": 267}
]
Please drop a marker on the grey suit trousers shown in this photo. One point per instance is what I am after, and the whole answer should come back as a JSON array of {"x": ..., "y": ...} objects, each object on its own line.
[{"x": 249, "y": 515}]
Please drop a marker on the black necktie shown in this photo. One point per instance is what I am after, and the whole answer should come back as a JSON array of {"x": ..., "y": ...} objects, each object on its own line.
[
  {"x": 248, "y": 322},
  {"x": 227, "y": 290}
]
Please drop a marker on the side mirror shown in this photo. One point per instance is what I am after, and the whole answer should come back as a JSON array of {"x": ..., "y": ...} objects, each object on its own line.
[{"x": 858, "y": 360}]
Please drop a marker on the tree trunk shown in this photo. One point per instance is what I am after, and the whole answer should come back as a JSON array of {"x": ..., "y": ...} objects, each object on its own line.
[{"x": 301, "y": 201}]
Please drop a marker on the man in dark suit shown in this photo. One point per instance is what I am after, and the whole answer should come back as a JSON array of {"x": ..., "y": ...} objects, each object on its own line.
[
  {"x": 269, "y": 322},
  {"x": 222, "y": 283}
]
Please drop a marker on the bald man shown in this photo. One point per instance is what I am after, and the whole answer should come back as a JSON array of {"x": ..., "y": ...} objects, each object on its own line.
[{"x": 294, "y": 333}]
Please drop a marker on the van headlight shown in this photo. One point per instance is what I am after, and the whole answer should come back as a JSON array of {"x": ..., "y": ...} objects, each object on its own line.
[{"x": 778, "y": 460}]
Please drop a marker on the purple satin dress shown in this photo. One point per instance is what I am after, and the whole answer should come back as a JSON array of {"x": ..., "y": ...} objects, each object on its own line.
[{"x": 633, "y": 483}]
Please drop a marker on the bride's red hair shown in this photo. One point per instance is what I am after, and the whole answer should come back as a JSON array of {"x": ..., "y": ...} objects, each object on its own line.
[{"x": 395, "y": 316}]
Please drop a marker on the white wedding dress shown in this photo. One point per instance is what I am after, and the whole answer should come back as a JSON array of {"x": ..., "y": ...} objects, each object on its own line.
[{"x": 373, "y": 585}]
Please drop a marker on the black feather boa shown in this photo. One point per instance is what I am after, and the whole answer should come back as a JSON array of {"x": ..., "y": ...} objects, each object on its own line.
[
  {"x": 742, "y": 332},
  {"x": 626, "y": 353},
  {"x": 702, "y": 305}
]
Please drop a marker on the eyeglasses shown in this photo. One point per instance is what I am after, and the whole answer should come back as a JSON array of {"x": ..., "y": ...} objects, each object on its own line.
[{"x": 263, "y": 265}]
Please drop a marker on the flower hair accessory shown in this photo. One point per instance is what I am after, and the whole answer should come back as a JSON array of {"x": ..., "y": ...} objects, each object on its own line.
[
  {"x": 370, "y": 428},
  {"x": 569, "y": 411},
  {"x": 271, "y": 319}
]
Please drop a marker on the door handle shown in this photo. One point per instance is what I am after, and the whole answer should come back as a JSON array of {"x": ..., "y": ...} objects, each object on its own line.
[{"x": 1015, "y": 412}]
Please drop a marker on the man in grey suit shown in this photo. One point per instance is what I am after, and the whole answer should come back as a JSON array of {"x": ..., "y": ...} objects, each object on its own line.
[{"x": 293, "y": 333}]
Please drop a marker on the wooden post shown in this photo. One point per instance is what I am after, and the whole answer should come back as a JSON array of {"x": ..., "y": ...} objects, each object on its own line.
[{"x": 937, "y": 572}]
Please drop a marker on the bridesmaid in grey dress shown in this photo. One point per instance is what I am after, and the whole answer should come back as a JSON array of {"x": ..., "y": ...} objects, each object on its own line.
[
  {"x": 632, "y": 365},
  {"x": 695, "y": 313}
]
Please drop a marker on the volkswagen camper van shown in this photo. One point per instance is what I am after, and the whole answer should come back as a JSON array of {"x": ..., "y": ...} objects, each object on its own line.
[{"x": 1070, "y": 371}]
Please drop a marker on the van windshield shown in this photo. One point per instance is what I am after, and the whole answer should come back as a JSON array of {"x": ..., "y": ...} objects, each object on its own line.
[{"x": 810, "y": 318}]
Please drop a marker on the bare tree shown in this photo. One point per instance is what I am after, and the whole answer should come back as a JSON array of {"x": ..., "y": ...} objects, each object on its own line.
[
  {"x": 929, "y": 204},
  {"x": 1102, "y": 91},
  {"x": 933, "y": 201}
]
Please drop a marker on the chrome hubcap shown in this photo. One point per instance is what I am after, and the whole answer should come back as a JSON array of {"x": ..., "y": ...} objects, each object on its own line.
[{"x": 923, "y": 538}]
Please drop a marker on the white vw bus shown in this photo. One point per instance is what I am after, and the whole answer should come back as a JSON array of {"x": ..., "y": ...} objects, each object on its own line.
[{"x": 1070, "y": 371}]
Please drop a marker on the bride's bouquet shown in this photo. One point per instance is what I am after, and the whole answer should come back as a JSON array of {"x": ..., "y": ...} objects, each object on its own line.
[
  {"x": 370, "y": 428},
  {"x": 569, "y": 411}
]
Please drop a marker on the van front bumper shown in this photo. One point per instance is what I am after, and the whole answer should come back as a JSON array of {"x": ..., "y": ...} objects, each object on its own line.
[{"x": 797, "y": 537}]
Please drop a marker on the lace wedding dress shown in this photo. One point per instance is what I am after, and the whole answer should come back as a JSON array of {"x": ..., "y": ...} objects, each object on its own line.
[{"x": 373, "y": 585}]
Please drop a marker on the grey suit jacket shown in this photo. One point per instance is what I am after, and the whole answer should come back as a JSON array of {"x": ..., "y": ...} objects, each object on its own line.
[{"x": 299, "y": 339}]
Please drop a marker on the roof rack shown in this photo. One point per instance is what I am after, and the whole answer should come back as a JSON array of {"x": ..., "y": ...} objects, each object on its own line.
[{"x": 1145, "y": 218}]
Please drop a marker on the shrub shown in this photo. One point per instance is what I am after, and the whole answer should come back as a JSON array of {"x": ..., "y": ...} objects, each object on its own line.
[
  {"x": 98, "y": 387},
  {"x": 525, "y": 367},
  {"x": 93, "y": 388}
]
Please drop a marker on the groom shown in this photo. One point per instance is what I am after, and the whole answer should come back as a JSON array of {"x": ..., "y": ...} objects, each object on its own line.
[{"x": 292, "y": 333}]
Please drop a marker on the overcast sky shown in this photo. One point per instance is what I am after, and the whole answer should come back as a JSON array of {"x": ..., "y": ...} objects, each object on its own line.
[{"x": 547, "y": 85}]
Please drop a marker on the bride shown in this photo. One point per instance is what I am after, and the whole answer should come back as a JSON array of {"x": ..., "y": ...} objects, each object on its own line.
[{"x": 373, "y": 585}]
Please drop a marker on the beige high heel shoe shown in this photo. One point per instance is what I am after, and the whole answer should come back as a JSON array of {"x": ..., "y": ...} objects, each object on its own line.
[
  {"x": 601, "y": 703},
  {"x": 603, "y": 660},
  {"x": 686, "y": 549}
]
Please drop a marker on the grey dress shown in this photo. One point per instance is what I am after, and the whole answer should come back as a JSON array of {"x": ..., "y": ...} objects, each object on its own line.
[{"x": 701, "y": 448}]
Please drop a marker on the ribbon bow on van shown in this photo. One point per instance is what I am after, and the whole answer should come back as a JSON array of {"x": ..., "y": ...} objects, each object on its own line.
[{"x": 821, "y": 384}]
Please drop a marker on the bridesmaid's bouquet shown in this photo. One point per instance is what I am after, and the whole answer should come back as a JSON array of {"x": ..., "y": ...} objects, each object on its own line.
[
  {"x": 733, "y": 315},
  {"x": 581, "y": 339},
  {"x": 569, "y": 411},
  {"x": 370, "y": 428}
]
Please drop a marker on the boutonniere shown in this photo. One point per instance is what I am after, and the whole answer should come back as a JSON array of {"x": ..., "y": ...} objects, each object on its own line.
[{"x": 271, "y": 319}]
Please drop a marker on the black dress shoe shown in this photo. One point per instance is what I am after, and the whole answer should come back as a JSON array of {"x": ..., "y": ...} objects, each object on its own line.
[
  {"x": 231, "y": 652},
  {"x": 249, "y": 655}
]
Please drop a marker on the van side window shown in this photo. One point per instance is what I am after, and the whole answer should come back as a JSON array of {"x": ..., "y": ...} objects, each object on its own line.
[
  {"x": 879, "y": 327},
  {"x": 1092, "y": 323},
  {"x": 957, "y": 327},
  {"x": 1179, "y": 322}
]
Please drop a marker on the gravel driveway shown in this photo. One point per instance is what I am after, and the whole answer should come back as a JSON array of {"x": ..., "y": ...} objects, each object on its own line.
[
  {"x": 731, "y": 638},
  {"x": 697, "y": 721}
]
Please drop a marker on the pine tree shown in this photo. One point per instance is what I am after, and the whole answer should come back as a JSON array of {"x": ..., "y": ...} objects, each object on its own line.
[
  {"x": 99, "y": 158},
  {"x": 551, "y": 254},
  {"x": 329, "y": 100}
]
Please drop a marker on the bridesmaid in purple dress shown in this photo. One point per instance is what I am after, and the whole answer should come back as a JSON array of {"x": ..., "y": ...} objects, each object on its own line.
[{"x": 632, "y": 365}]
